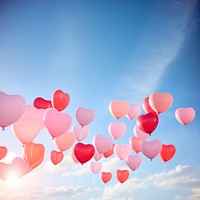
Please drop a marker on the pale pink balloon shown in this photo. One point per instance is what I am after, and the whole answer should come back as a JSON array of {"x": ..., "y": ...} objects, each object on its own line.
[
  {"x": 122, "y": 151},
  {"x": 11, "y": 108},
  {"x": 118, "y": 109},
  {"x": 95, "y": 167},
  {"x": 84, "y": 116},
  {"x": 19, "y": 167},
  {"x": 139, "y": 133},
  {"x": 97, "y": 156},
  {"x": 73, "y": 156},
  {"x": 151, "y": 149},
  {"x": 185, "y": 115},
  {"x": 134, "y": 111},
  {"x": 81, "y": 132},
  {"x": 26, "y": 129},
  {"x": 133, "y": 162},
  {"x": 160, "y": 102},
  {"x": 101, "y": 143},
  {"x": 32, "y": 112},
  {"x": 117, "y": 130},
  {"x": 57, "y": 123},
  {"x": 65, "y": 141}
]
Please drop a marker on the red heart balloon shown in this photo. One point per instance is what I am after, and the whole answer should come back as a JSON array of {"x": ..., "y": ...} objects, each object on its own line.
[
  {"x": 56, "y": 157},
  {"x": 148, "y": 122},
  {"x": 41, "y": 103},
  {"x": 106, "y": 176},
  {"x": 60, "y": 100},
  {"x": 3, "y": 152},
  {"x": 122, "y": 175},
  {"x": 83, "y": 152},
  {"x": 167, "y": 152}
]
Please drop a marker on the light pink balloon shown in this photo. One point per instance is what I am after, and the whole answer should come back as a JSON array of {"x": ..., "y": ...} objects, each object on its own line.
[
  {"x": 84, "y": 116},
  {"x": 133, "y": 162},
  {"x": 151, "y": 149},
  {"x": 19, "y": 167},
  {"x": 160, "y": 102},
  {"x": 95, "y": 167},
  {"x": 139, "y": 133},
  {"x": 65, "y": 141},
  {"x": 57, "y": 123},
  {"x": 11, "y": 108},
  {"x": 73, "y": 155},
  {"x": 26, "y": 129},
  {"x": 32, "y": 112},
  {"x": 97, "y": 156},
  {"x": 102, "y": 144},
  {"x": 81, "y": 132},
  {"x": 185, "y": 115},
  {"x": 117, "y": 130},
  {"x": 122, "y": 151},
  {"x": 134, "y": 111}
]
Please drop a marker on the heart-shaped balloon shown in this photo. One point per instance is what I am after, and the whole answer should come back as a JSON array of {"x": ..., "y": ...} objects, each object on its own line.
[
  {"x": 83, "y": 152},
  {"x": 122, "y": 151},
  {"x": 60, "y": 100},
  {"x": 148, "y": 122},
  {"x": 56, "y": 157},
  {"x": 135, "y": 143},
  {"x": 26, "y": 129},
  {"x": 19, "y": 167},
  {"x": 84, "y": 116},
  {"x": 139, "y": 133},
  {"x": 134, "y": 111},
  {"x": 81, "y": 132},
  {"x": 117, "y": 130},
  {"x": 106, "y": 176},
  {"x": 185, "y": 115},
  {"x": 122, "y": 175},
  {"x": 109, "y": 152},
  {"x": 57, "y": 123},
  {"x": 11, "y": 108},
  {"x": 133, "y": 162},
  {"x": 151, "y": 148},
  {"x": 167, "y": 152},
  {"x": 41, "y": 103},
  {"x": 5, "y": 170},
  {"x": 146, "y": 106},
  {"x": 97, "y": 156},
  {"x": 118, "y": 109},
  {"x": 73, "y": 157},
  {"x": 3, "y": 152},
  {"x": 33, "y": 152},
  {"x": 65, "y": 141},
  {"x": 102, "y": 143},
  {"x": 160, "y": 102},
  {"x": 36, "y": 163},
  {"x": 95, "y": 167}
]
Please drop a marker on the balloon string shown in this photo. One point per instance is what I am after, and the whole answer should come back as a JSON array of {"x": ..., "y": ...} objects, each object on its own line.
[{"x": 164, "y": 170}]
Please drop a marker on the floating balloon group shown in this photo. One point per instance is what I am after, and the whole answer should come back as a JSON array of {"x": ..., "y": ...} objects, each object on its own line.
[{"x": 27, "y": 121}]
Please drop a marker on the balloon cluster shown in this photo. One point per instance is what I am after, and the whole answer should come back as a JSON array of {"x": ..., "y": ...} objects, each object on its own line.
[{"x": 27, "y": 121}]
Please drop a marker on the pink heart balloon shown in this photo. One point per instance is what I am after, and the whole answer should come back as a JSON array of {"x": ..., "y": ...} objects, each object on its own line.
[
  {"x": 19, "y": 167},
  {"x": 26, "y": 129},
  {"x": 185, "y": 115},
  {"x": 122, "y": 150},
  {"x": 57, "y": 123},
  {"x": 134, "y": 111},
  {"x": 117, "y": 130},
  {"x": 65, "y": 141},
  {"x": 139, "y": 133},
  {"x": 95, "y": 167},
  {"x": 133, "y": 162},
  {"x": 97, "y": 156},
  {"x": 118, "y": 109},
  {"x": 135, "y": 143},
  {"x": 5, "y": 170},
  {"x": 84, "y": 116},
  {"x": 11, "y": 108},
  {"x": 102, "y": 144},
  {"x": 160, "y": 102},
  {"x": 151, "y": 149},
  {"x": 81, "y": 132},
  {"x": 32, "y": 112}
]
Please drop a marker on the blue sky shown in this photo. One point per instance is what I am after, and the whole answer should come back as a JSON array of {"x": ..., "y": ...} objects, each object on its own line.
[{"x": 100, "y": 51}]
